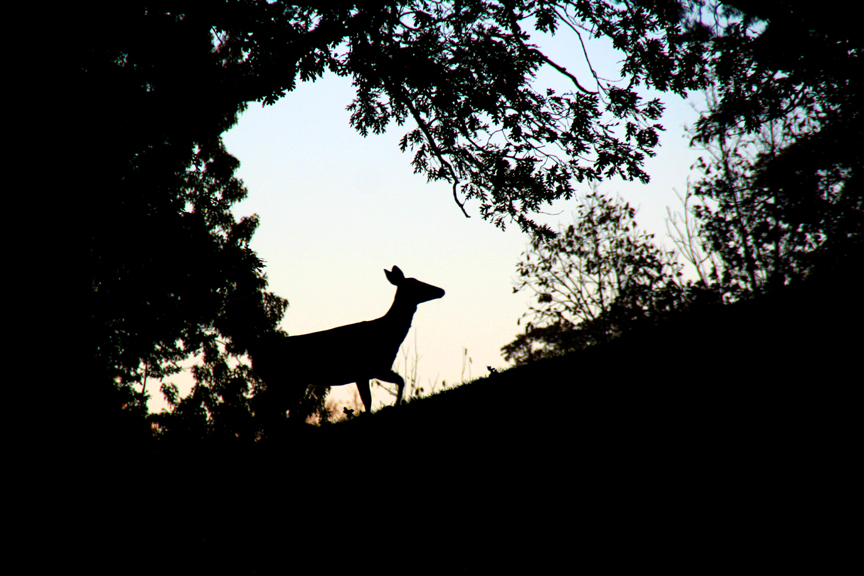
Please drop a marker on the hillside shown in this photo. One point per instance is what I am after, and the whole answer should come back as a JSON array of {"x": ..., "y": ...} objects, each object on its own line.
[{"x": 724, "y": 438}]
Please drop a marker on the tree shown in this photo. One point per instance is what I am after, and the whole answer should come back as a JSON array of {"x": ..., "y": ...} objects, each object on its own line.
[
  {"x": 461, "y": 73},
  {"x": 780, "y": 189},
  {"x": 765, "y": 235},
  {"x": 171, "y": 269},
  {"x": 595, "y": 280},
  {"x": 770, "y": 59},
  {"x": 781, "y": 184}
]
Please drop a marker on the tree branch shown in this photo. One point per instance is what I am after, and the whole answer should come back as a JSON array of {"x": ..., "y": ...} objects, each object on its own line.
[{"x": 562, "y": 70}]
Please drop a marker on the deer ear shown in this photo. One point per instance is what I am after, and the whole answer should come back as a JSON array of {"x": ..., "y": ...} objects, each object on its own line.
[{"x": 395, "y": 276}]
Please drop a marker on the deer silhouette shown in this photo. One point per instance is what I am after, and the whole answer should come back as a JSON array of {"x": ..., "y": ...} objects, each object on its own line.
[{"x": 356, "y": 353}]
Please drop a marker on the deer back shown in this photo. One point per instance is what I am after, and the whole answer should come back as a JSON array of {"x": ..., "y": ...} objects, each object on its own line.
[{"x": 333, "y": 357}]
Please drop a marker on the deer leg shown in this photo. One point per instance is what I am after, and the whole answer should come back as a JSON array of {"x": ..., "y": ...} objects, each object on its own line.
[
  {"x": 365, "y": 394},
  {"x": 394, "y": 378}
]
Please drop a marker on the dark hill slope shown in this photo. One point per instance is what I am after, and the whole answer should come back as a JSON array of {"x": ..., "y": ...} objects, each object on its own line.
[
  {"x": 721, "y": 439},
  {"x": 724, "y": 437}
]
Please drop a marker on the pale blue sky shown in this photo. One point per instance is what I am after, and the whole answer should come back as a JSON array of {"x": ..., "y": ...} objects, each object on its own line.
[{"x": 336, "y": 209}]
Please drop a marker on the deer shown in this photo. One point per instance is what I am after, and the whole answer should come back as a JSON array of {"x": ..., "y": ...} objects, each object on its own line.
[{"x": 355, "y": 353}]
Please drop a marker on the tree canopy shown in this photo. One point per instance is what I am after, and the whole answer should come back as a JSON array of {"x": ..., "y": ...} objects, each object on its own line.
[
  {"x": 598, "y": 278},
  {"x": 783, "y": 171},
  {"x": 778, "y": 193}
]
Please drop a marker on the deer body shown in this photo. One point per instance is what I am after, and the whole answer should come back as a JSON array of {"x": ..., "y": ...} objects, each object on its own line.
[{"x": 354, "y": 353}]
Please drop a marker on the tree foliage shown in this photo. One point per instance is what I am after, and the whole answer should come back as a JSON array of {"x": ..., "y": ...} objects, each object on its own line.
[
  {"x": 780, "y": 186},
  {"x": 769, "y": 223},
  {"x": 779, "y": 191},
  {"x": 170, "y": 265},
  {"x": 459, "y": 76},
  {"x": 770, "y": 59},
  {"x": 598, "y": 278}
]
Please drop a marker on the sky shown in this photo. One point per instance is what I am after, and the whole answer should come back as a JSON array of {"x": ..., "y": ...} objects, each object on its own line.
[{"x": 336, "y": 209}]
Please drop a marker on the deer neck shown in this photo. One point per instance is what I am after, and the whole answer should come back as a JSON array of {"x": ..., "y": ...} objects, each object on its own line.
[{"x": 400, "y": 314}]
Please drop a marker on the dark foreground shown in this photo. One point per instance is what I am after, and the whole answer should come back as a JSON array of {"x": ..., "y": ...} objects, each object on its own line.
[{"x": 722, "y": 440}]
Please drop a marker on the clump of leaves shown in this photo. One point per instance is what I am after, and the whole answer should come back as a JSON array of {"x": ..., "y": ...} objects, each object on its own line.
[
  {"x": 773, "y": 207},
  {"x": 594, "y": 280}
]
